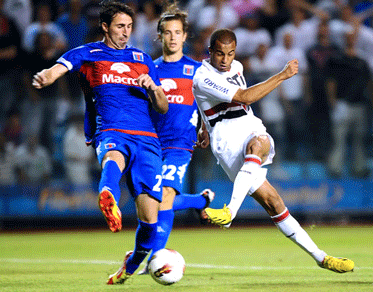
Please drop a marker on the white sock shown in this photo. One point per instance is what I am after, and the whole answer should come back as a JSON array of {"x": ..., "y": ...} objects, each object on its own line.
[
  {"x": 291, "y": 229},
  {"x": 243, "y": 182}
]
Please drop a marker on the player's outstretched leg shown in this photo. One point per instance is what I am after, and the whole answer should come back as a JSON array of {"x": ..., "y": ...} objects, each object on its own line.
[
  {"x": 209, "y": 196},
  {"x": 110, "y": 210},
  {"x": 338, "y": 265},
  {"x": 221, "y": 217},
  {"x": 121, "y": 275},
  {"x": 196, "y": 201}
]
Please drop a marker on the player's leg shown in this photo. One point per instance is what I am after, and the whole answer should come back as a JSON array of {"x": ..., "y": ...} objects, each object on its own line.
[
  {"x": 271, "y": 201},
  {"x": 144, "y": 178},
  {"x": 248, "y": 179},
  {"x": 112, "y": 164},
  {"x": 164, "y": 224},
  {"x": 147, "y": 209}
]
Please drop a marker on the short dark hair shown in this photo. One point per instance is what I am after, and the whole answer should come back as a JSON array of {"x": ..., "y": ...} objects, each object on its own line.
[
  {"x": 110, "y": 8},
  {"x": 224, "y": 35},
  {"x": 172, "y": 12}
]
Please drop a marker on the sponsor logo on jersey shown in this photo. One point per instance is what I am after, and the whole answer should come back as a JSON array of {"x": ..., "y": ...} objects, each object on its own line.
[
  {"x": 237, "y": 79},
  {"x": 138, "y": 56},
  {"x": 111, "y": 78},
  {"x": 120, "y": 68},
  {"x": 215, "y": 86},
  {"x": 178, "y": 90},
  {"x": 110, "y": 145},
  {"x": 188, "y": 70},
  {"x": 168, "y": 84},
  {"x": 106, "y": 72}
]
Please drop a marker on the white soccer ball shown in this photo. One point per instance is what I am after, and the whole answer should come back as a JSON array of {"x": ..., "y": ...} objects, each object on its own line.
[{"x": 167, "y": 266}]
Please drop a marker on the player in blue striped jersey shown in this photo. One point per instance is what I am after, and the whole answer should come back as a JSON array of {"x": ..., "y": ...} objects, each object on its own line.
[
  {"x": 177, "y": 128},
  {"x": 119, "y": 83}
]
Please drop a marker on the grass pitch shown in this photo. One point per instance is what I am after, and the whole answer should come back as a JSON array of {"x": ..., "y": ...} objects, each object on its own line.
[{"x": 238, "y": 259}]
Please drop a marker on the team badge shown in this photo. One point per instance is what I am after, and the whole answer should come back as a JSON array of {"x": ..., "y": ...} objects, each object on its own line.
[
  {"x": 138, "y": 56},
  {"x": 188, "y": 70},
  {"x": 110, "y": 145}
]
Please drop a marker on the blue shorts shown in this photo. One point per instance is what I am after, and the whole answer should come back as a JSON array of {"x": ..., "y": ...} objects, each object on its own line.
[
  {"x": 143, "y": 160},
  {"x": 175, "y": 164}
]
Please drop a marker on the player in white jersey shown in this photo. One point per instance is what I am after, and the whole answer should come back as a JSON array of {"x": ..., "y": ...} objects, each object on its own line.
[{"x": 241, "y": 144}]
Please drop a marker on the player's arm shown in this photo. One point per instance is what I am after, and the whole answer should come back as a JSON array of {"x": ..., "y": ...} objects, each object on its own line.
[
  {"x": 48, "y": 76},
  {"x": 258, "y": 91},
  {"x": 156, "y": 93}
]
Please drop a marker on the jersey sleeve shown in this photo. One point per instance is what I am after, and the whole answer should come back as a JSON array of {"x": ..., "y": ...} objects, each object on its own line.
[
  {"x": 73, "y": 59},
  {"x": 215, "y": 87}
]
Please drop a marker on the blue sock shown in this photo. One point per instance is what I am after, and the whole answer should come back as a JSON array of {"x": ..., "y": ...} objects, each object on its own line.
[
  {"x": 145, "y": 237},
  {"x": 164, "y": 227},
  {"x": 110, "y": 177},
  {"x": 186, "y": 201}
]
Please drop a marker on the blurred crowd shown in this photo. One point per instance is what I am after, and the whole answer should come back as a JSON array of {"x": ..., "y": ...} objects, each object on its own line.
[{"x": 323, "y": 114}]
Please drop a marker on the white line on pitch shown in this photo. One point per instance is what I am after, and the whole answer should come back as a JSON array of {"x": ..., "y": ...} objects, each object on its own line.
[{"x": 105, "y": 262}]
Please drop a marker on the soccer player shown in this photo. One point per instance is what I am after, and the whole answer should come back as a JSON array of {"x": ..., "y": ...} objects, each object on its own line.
[
  {"x": 119, "y": 83},
  {"x": 241, "y": 144},
  {"x": 177, "y": 128}
]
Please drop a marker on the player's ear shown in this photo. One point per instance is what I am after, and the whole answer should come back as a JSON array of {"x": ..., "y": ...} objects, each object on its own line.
[{"x": 105, "y": 27}]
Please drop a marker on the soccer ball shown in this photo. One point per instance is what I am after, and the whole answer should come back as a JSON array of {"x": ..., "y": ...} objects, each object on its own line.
[{"x": 167, "y": 266}]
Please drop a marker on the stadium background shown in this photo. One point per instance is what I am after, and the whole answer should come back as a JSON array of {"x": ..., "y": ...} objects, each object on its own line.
[{"x": 311, "y": 193}]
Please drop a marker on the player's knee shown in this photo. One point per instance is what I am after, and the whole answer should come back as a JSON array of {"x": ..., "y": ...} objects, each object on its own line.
[
  {"x": 259, "y": 146},
  {"x": 168, "y": 197}
]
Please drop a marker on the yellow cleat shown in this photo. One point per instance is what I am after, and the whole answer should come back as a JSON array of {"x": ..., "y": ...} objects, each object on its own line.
[
  {"x": 120, "y": 276},
  {"x": 221, "y": 217},
  {"x": 338, "y": 265},
  {"x": 110, "y": 210}
]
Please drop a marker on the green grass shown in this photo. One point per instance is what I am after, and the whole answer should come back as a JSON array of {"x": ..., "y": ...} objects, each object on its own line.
[{"x": 238, "y": 259}]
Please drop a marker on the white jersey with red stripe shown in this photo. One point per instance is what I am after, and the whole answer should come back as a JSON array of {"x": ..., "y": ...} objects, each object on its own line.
[{"x": 231, "y": 125}]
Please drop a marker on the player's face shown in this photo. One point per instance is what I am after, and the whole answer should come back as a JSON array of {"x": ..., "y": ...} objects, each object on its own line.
[
  {"x": 119, "y": 31},
  {"x": 173, "y": 37},
  {"x": 222, "y": 55}
]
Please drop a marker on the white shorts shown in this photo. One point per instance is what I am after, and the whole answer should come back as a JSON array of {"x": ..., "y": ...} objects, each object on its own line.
[{"x": 229, "y": 139}]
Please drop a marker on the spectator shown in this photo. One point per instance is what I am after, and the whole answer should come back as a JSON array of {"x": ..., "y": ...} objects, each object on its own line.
[
  {"x": 250, "y": 35},
  {"x": 198, "y": 50},
  {"x": 216, "y": 14},
  {"x": 78, "y": 159},
  {"x": 13, "y": 128},
  {"x": 39, "y": 108},
  {"x": 9, "y": 53},
  {"x": 20, "y": 11},
  {"x": 33, "y": 162},
  {"x": 301, "y": 27},
  {"x": 244, "y": 7},
  {"x": 319, "y": 107},
  {"x": 348, "y": 77},
  {"x": 44, "y": 23},
  {"x": 91, "y": 10},
  {"x": 145, "y": 34},
  {"x": 7, "y": 165},
  {"x": 292, "y": 95},
  {"x": 74, "y": 25}
]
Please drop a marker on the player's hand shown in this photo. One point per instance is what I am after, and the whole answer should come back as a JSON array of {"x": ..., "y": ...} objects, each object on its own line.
[
  {"x": 146, "y": 82},
  {"x": 203, "y": 139},
  {"x": 40, "y": 80},
  {"x": 290, "y": 69}
]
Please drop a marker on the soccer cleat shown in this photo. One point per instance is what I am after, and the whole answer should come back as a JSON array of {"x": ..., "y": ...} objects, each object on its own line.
[
  {"x": 338, "y": 265},
  {"x": 221, "y": 217},
  {"x": 144, "y": 271},
  {"x": 120, "y": 276},
  {"x": 209, "y": 195},
  {"x": 109, "y": 208}
]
